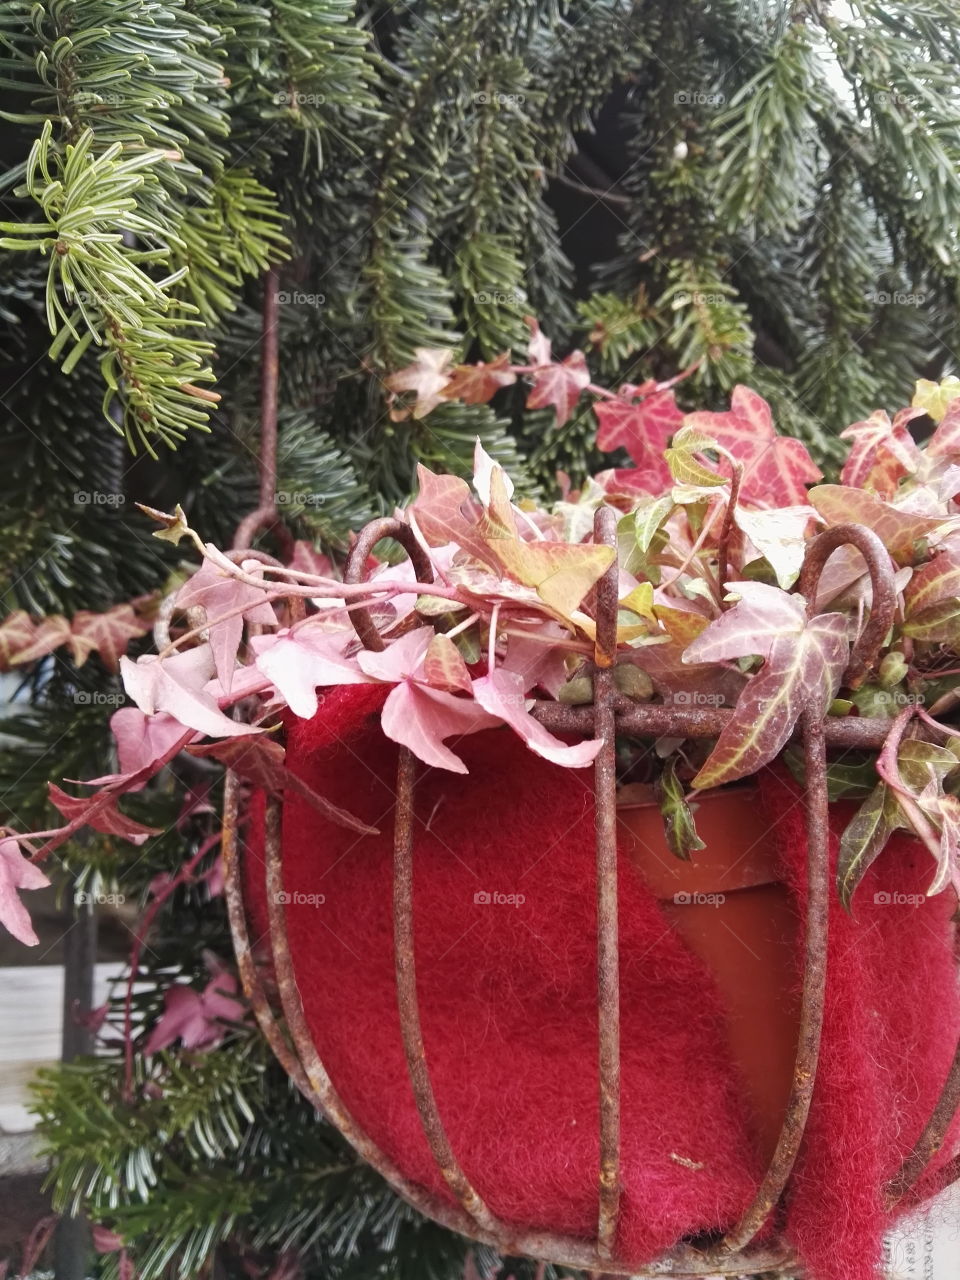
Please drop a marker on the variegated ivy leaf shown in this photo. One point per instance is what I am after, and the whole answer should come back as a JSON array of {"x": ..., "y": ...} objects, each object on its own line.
[
  {"x": 932, "y": 601},
  {"x": 935, "y": 397},
  {"x": 904, "y": 533},
  {"x": 804, "y": 660},
  {"x": 685, "y": 467},
  {"x": 561, "y": 573},
  {"x": 882, "y": 452},
  {"x": 865, "y": 838},
  {"x": 679, "y": 827}
]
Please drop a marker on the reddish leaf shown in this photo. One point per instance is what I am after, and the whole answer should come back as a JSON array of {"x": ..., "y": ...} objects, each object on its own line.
[
  {"x": 903, "y": 533},
  {"x": 100, "y": 812},
  {"x": 196, "y": 1017},
  {"x": 478, "y": 383},
  {"x": 108, "y": 633},
  {"x": 559, "y": 385},
  {"x": 307, "y": 559},
  {"x": 16, "y": 873},
  {"x": 445, "y": 512},
  {"x": 427, "y": 375},
  {"x": 882, "y": 452},
  {"x": 932, "y": 600},
  {"x": 141, "y": 740},
  {"x": 641, "y": 420},
  {"x": 177, "y": 685},
  {"x": 777, "y": 469},
  {"x": 260, "y": 761},
  {"x": 298, "y": 662},
  {"x": 105, "y": 1240}
]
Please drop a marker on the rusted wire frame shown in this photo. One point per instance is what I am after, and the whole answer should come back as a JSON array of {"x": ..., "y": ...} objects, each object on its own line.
[
  {"x": 814, "y": 990},
  {"x": 406, "y": 974},
  {"x": 608, "y": 929},
  {"x": 931, "y": 1140},
  {"x": 355, "y": 568},
  {"x": 249, "y": 977}
]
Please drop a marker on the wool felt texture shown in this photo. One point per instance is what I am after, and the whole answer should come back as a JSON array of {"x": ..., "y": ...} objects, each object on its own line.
[{"x": 505, "y": 942}]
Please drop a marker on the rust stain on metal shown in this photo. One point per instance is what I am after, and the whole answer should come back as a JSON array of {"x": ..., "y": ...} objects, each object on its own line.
[{"x": 355, "y": 569}]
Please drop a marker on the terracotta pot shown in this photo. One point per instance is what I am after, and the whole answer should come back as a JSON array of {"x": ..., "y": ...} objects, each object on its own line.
[{"x": 730, "y": 908}]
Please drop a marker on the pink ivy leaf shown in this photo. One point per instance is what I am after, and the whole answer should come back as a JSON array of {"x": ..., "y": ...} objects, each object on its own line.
[
  {"x": 479, "y": 383},
  {"x": 16, "y": 873},
  {"x": 904, "y": 533},
  {"x": 777, "y": 469},
  {"x": 502, "y": 694},
  {"x": 307, "y": 559},
  {"x": 216, "y": 592},
  {"x": 641, "y": 420},
  {"x": 298, "y": 662},
  {"x": 537, "y": 663},
  {"x": 882, "y": 452},
  {"x": 422, "y": 719},
  {"x": 176, "y": 685},
  {"x": 558, "y": 386},
  {"x": 125, "y": 1267},
  {"x": 108, "y": 633},
  {"x": 141, "y": 740},
  {"x": 404, "y": 657},
  {"x": 100, "y": 812},
  {"x": 483, "y": 469},
  {"x": 196, "y": 1017},
  {"x": 44, "y": 636}
]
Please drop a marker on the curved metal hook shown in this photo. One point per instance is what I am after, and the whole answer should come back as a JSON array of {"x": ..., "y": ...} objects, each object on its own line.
[{"x": 353, "y": 572}]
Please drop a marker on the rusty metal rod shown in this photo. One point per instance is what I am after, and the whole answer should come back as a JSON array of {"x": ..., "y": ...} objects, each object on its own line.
[
  {"x": 410, "y": 1026},
  {"x": 932, "y": 1139},
  {"x": 608, "y": 926},
  {"x": 653, "y": 720},
  {"x": 249, "y": 977},
  {"x": 814, "y": 988},
  {"x": 355, "y": 569}
]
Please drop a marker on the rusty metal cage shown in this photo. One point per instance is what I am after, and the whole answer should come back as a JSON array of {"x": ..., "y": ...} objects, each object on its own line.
[{"x": 286, "y": 1030}]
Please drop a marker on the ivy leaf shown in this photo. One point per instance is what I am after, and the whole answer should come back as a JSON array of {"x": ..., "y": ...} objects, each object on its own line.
[
  {"x": 427, "y": 375},
  {"x": 445, "y": 512},
  {"x": 934, "y": 398},
  {"x": 422, "y": 719},
  {"x": 776, "y": 469},
  {"x": 176, "y": 685},
  {"x": 479, "y": 383},
  {"x": 16, "y": 633},
  {"x": 108, "y": 633},
  {"x": 804, "y": 661},
  {"x": 945, "y": 441},
  {"x": 298, "y": 663},
  {"x": 16, "y": 873},
  {"x": 538, "y": 348},
  {"x": 196, "y": 1017},
  {"x": 100, "y": 812},
  {"x": 685, "y": 466},
  {"x": 561, "y": 572},
  {"x": 443, "y": 667},
  {"x": 558, "y": 386},
  {"x": 779, "y": 534},
  {"x": 641, "y": 419},
  {"x": 903, "y": 533},
  {"x": 174, "y": 526},
  {"x": 678, "y": 824},
  {"x": 502, "y": 694},
  {"x": 47, "y": 634},
  {"x": 882, "y": 452},
  {"x": 864, "y": 839},
  {"x": 932, "y": 600},
  {"x": 218, "y": 593}
]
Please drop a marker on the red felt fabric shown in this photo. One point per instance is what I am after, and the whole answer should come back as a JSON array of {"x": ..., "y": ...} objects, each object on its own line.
[{"x": 508, "y": 1002}]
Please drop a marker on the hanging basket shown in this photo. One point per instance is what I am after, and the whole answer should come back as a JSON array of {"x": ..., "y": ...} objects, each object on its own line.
[{"x": 597, "y": 910}]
